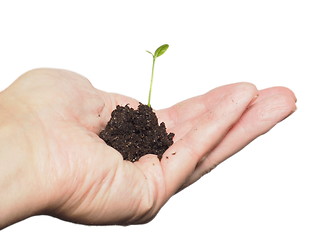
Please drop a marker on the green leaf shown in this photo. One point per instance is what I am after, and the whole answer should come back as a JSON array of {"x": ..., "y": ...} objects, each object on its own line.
[{"x": 161, "y": 50}]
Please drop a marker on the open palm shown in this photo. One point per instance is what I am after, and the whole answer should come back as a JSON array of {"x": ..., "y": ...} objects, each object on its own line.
[{"x": 86, "y": 181}]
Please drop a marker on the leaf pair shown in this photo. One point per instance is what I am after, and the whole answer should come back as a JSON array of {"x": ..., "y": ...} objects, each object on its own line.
[{"x": 160, "y": 50}]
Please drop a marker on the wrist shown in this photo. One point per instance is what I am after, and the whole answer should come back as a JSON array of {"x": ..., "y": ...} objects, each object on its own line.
[{"x": 21, "y": 194}]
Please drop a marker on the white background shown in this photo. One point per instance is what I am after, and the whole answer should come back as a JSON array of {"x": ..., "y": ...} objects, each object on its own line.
[{"x": 269, "y": 190}]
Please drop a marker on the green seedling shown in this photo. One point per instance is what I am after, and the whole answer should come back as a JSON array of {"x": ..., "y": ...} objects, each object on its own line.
[{"x": 160, "y": 50}]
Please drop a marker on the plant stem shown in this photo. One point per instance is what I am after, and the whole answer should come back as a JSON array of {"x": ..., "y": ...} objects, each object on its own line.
[{"x": 151, "y": 82}]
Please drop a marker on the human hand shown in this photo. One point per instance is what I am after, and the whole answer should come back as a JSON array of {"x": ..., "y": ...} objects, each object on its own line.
[{"x": 63, "y": 169}]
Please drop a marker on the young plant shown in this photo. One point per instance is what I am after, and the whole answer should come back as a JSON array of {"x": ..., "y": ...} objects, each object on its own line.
[{"x": 160, "y": 50}]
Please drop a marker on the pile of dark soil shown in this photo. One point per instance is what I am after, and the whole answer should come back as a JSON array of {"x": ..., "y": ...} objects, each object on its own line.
[{"x": 135, "y": 133}]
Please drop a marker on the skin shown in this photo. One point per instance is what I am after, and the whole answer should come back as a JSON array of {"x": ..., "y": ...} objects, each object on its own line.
[{"x": 52, "y": 161}]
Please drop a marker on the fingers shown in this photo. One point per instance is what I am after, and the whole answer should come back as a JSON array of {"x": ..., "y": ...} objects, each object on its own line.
[
  {"x": 272, "y": 106},
  {"x": 190, "y": 109},
  {"x": 181, "y": 159}
]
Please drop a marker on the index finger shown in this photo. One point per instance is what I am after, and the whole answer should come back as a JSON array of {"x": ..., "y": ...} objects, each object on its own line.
[{"x": 192, "y": 108}]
